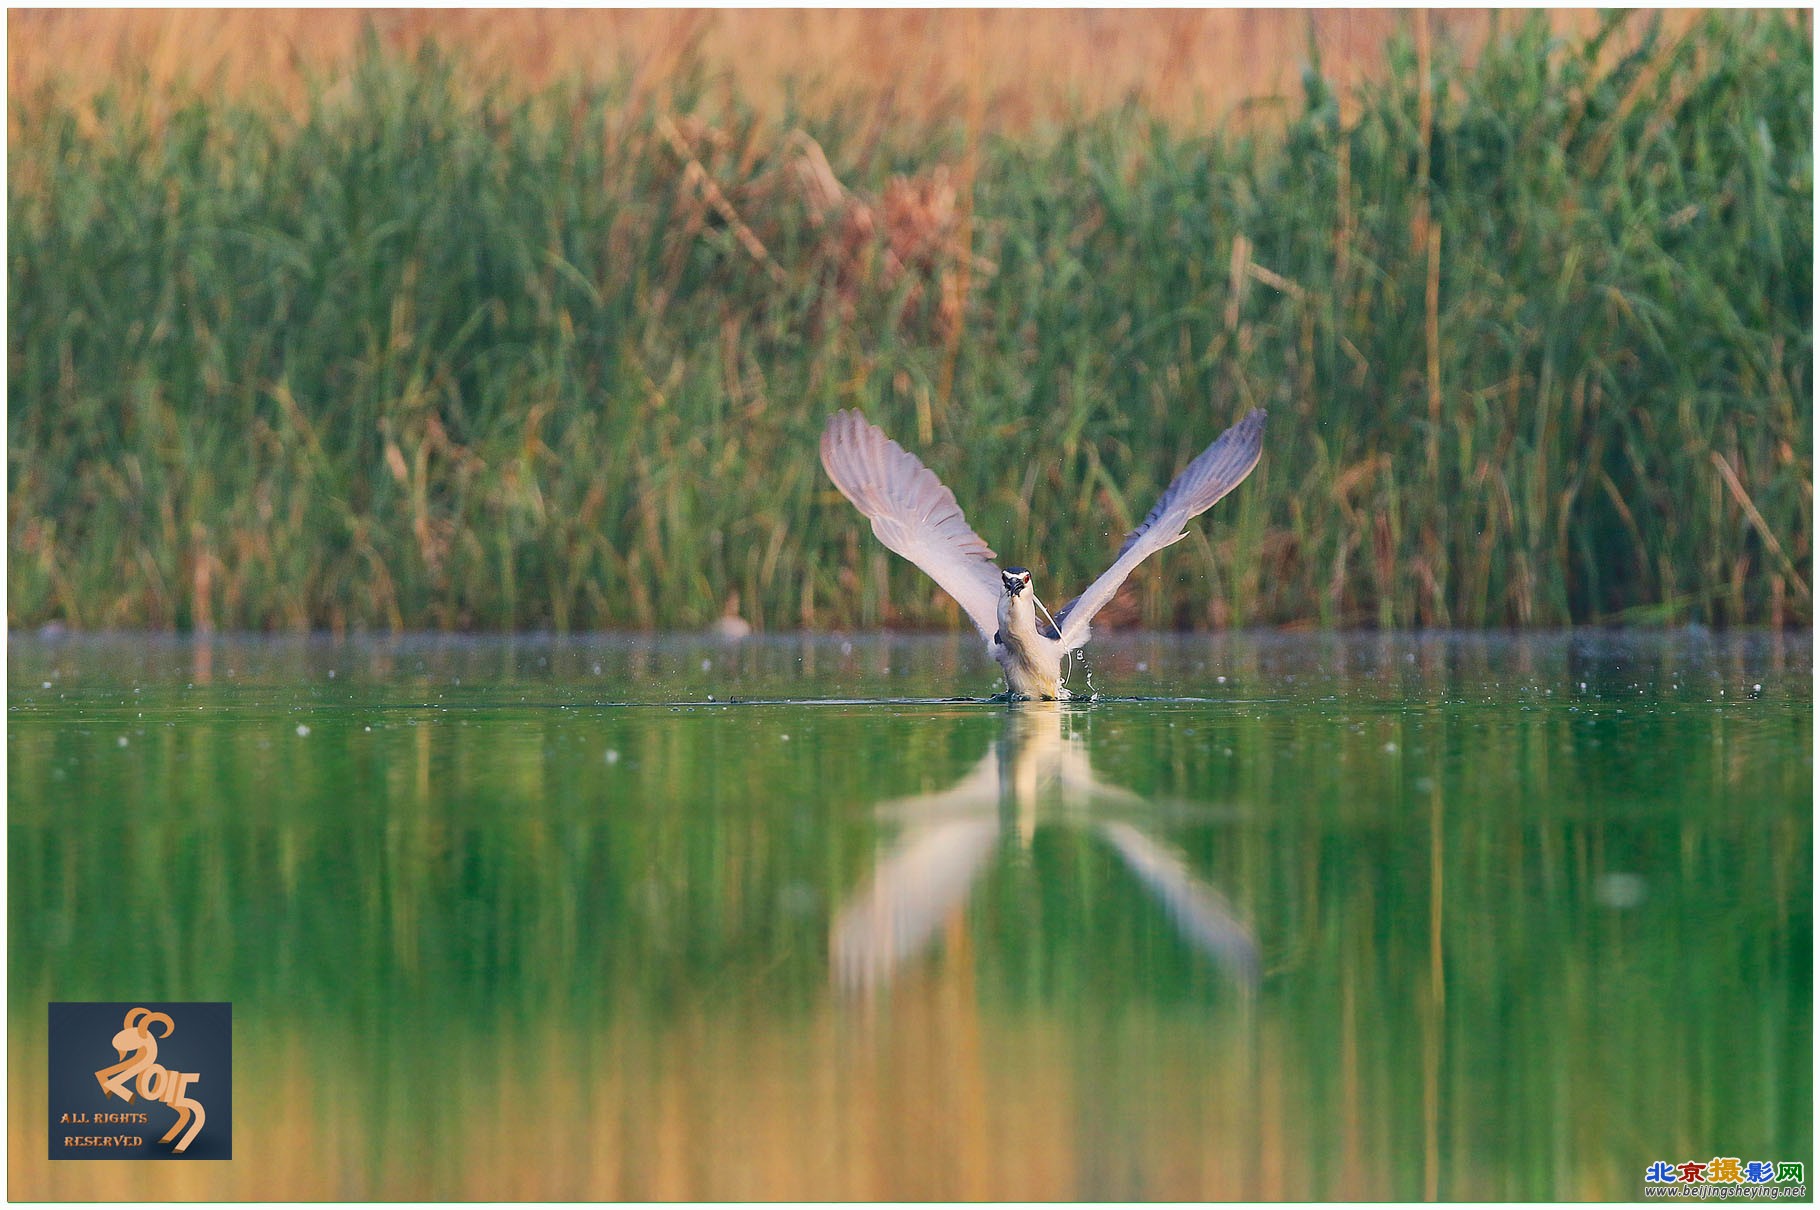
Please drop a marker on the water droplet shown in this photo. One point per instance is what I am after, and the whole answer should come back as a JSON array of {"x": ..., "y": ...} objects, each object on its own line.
[{"x": 1620, "y": 891}]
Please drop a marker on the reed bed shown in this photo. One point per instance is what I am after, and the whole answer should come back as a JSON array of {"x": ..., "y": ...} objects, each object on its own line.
[{"x": 1535, "y": 333}]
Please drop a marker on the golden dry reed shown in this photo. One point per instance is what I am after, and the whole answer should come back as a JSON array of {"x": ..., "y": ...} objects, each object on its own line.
[{"x": 1019, "y": 66}]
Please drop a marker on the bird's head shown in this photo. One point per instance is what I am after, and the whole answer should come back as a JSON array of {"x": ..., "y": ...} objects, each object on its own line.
[{"x": 1017, "y": 579}]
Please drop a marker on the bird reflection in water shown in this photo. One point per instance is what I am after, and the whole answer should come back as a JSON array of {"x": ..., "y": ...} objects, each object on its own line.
[{"x": 1034, "y": 772}]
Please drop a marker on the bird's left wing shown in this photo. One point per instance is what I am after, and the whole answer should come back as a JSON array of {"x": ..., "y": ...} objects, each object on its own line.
[
  {"x": 913, "y": 513},
  {"x": 1220, "y": 467}
]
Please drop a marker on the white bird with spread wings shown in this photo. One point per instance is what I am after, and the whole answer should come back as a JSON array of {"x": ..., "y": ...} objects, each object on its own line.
[{"x": 914, "y": 514}]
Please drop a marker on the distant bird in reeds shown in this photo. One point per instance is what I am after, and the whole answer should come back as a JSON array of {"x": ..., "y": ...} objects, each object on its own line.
[
  {"x": 729, "y": 625},
  {"x": 914, "y": 514}
]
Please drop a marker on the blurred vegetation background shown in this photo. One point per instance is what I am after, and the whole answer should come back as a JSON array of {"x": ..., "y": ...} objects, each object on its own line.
[{"x": 384, "y": 330}]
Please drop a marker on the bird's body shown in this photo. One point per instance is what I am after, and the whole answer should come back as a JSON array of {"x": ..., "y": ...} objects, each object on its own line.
[
  {"x": 916, "y": 516},
  {"x": 1031, "y": 659}
]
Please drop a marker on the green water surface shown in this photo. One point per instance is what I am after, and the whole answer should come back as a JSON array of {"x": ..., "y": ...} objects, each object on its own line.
[{"x": 1277, "y": 916}]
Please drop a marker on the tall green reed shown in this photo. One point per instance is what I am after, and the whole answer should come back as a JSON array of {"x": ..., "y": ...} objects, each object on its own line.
[{"x": 421, "y": 358}]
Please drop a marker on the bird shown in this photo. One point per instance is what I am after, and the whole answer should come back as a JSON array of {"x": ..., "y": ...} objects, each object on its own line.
[{"x": 915, "y": 515}]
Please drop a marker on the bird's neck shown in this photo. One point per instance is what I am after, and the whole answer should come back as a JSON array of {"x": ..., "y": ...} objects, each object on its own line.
[{"x": 1017, "y": 616}]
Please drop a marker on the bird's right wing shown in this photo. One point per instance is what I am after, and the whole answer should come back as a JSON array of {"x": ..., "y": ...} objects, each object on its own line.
[
  {"x": 1218, "y": 469},
  {"x": 913, "y": 513}
]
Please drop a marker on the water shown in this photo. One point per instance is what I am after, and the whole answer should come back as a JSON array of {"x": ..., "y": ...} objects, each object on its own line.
[{"x": 1280, "y": 917}]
